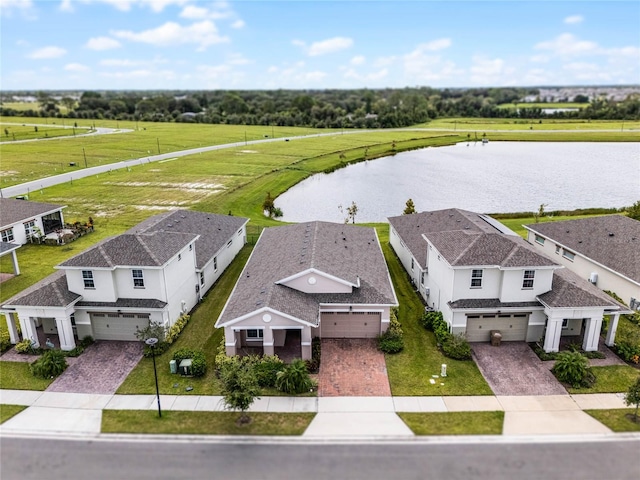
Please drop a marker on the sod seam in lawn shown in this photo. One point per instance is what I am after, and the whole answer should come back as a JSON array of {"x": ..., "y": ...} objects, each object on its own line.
[{"x": 454, "y": 423}]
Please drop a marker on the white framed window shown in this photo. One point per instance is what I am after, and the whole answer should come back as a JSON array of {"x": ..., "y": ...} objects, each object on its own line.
[
  {"x": 29, "y": 227},
  {"x": 240, "y": 232},
  {"x": 7, "y": 235},
  {"x": 476, "y": 278},
  {"x": 229, "y": 243},
  {"x": 215, "y": 264},
  {"x": 412, "y": 264},
  {"x": 179, "y": 256},
  {"x": 539, "y": 239},
  {"x": 422, "y": 278},
  {"x": 568, "y": 254},
  {"x": 138, "y": 278},
  {"x": 255, "y": 334},
  {"x": 87, "y": 277},
  {"x": 565, "y": 323},
  {"x": 202, "y": 278},
  {"x": 527, "y": 279},
  {"x": 558, "y": 249}
]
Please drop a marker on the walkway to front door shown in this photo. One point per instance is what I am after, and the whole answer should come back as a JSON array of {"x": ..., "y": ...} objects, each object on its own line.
[{"x": 352, "y": 367}]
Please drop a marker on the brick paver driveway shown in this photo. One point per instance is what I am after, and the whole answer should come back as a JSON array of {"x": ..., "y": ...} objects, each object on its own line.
[
  {"x": 513, "y": 369},
  {"x": 100, "y": 369},
  {"x": 352, "y": 367}
]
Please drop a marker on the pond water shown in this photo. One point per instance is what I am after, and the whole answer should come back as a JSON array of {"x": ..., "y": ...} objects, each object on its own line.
[{"x": 493, "y": 178}]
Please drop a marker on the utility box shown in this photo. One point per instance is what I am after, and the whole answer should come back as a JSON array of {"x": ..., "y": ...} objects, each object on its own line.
[
  {"x": 173, "y": 366},
  {"x": 496, "y": 338},
  {"x": 185, "y": 367}
]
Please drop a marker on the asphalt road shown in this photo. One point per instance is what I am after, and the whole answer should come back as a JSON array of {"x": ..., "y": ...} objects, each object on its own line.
[{"x": 477, "y": 459}]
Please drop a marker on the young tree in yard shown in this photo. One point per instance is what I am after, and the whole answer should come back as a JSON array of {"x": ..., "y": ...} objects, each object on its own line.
[
  {"x": 633, "y": 398},
  {"x": 268, "y": 205},
  {"x": 239, "y": 388},
  {"x": 409, "y": 208}
]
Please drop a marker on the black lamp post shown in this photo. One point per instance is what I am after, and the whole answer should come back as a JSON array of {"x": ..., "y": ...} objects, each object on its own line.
[{"x": 152, "y": 344}]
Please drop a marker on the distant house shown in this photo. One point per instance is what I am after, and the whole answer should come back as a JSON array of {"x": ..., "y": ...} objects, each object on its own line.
[
  {"x": 20, "y": 219},
  {"x": 10, "y": 249},
  {"x": 604, "y": 250},
  {"x": 155, "y": 272},
  {"x": 309, "y": 280},
  {"x": 483, "y": 277}
]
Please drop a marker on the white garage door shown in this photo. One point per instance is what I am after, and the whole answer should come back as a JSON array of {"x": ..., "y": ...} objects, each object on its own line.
[
  {"x": 513, "y": 327},
  {"x": 350, "y": 324},
  {"x": 117, "y": 326}
]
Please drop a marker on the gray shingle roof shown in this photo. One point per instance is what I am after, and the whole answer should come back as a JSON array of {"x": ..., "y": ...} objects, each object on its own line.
[
  {"x": 482, "y": 303},
  {"x": 143, "y": 303},
  {"x": 14, "y": 211},
  {"x": 214, "y": 230},
  {"x": 140, "y": 250},
  {"x": 348, "y": 252},
  {"x": 412, "y": 227},
  {"x": 6, "y": 247},
  {"x": 52, "y": 291},
  {"x": 612, "y": 240}
]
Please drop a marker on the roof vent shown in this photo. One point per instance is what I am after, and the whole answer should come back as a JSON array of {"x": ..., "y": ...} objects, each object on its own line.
[
  {"x": 611, "y": 234},
  {"x": 170, "y": 225}
]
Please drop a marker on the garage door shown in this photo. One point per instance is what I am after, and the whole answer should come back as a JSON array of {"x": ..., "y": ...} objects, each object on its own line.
[
  {"x": 117, "y": 326},
  {"x": 350, "y": 325},
  {"x": 513, "y": 327}
]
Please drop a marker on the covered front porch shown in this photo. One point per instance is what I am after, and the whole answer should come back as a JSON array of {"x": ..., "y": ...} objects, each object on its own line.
[
  {"x": 57, "y": 329},
  {"x": 287, "y": 343},
  {"x": 578, "y": 326}
]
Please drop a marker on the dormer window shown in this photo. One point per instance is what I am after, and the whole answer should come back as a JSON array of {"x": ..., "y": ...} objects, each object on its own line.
[
  {"x": 138, "y": 278},
  {"x": 476, "y": 278},
  {"x": 527, "y": 281}
]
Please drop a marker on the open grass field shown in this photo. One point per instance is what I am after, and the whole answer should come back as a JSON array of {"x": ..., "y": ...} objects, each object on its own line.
[
  {"x": 10, "y": 132},
  {"x": 487, "y": 124},
  {"x": 513, "y": 106}
]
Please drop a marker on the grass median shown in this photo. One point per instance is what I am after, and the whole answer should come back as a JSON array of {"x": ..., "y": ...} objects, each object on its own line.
[
  {"x": 454, "y": 423},
  {"x": 618, "y": 419},
  {"x": 8, "y": 411}
]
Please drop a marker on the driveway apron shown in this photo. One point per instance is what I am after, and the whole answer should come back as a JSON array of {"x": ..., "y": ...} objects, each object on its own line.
[
  {"x": 514, "y": 369},
  {"x": 352, "y": 367},
  {"x": 100, "y": 369}
]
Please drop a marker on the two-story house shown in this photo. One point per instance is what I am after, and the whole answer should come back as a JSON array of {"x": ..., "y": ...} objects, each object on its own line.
[
  {"x": 309, "y": 280},
  {"x": 157, "y": 271},
  {"x": 484, "y": 277}
]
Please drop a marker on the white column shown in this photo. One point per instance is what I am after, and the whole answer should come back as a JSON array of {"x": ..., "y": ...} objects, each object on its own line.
[
  {"x": 267, "y": 341},
  {"x": 28, "y": 327},
  {"x": 16, "y": 267},
  {"x": 592, "y": 329},
  {"x": 552, "y": 335},
  {"x": 65, "y": 333},
  {"x": 14, "y": 337},
  {"x": 229, "y": 341},
  {"x": 613, "y": 326},
  {"x": 305, "y": 339}
]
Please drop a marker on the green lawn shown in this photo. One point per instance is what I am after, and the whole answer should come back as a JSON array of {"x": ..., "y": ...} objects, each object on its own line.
[
  {"x": 611, "y": 379},
  {"x": 617, "y": 420},
  {"x": 454, "y": 423},
  {"x": 16, "y": 376},
  {"x": 15, "y": 132},
  {"x": 410, "y": 370},
  {"x": 204, "y": 423},
  {"x": 524, "y": 125},
  {"x": 8, "y": 411}
]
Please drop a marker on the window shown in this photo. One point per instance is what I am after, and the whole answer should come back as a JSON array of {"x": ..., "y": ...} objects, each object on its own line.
[
  {"x": 558, "y": 249},
  {"x": 568, "y": 255},
  {"x": 190, "y": 246},
  {"x": 87, "y": 277},
  {"x": 412, "y": 262},
  {"x": 138, "y": 278},
  {"x": 527, "y": 280},
  {"x": 239, "y": 232},
  {"x": 202, "y": 278},
  {"x": 476, "y": 278},
  {"x": 215, "y": 264},
  {"x": 565, "y": 323},
  {"x": 7, "y": 235},
  {"x": 229, "y": 243},
  {"x": 29, "y": 227},
  {"x": 539, "y": 239},
  {"x": 422, "y": 278},
  {"x": 255, "y": 334},
  {"x": 179, "y": 256}
]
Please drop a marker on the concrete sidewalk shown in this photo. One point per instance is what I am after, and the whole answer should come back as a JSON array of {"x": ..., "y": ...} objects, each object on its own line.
[{"x": 81, "y": 413}]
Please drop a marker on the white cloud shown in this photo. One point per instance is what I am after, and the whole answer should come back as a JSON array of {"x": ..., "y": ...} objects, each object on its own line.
[
  {"x": 122, "y": 62},
  {"x": 76, "y": 67},
  {"x": 238, "y": 59},
  {"x": 490, "y": 71},
  {"x": 357, "y": 60},
  {"x": 202, "y": 34},
  {"x": 573, "y": 19},
  {"x": 141, "y": 73},
  {"x": 294, "y": 76},
  {"x": 369, "y": 77},
  {"x": 25, "y": 8},
  {"x": 539, "y": 58},
  {"x": 66, "y": 6},
  {"x": 238, "y": 24},
  {"x": 424, "y": 64},
  {"x": 156, "y": 6},
  {"x": 323, "y": 47},
  {"x": 46, "y": 53},
  {"x": 435, "y": 45},
  {"x": 568, "y": 45},
  {"x": 384, "y": 61},
  {"x": 102, "y": 43},
  {"x": 192, "y": 12}
]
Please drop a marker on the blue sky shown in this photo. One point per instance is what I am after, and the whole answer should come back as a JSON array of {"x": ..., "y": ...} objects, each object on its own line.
[{"x": 197, "y": 44}]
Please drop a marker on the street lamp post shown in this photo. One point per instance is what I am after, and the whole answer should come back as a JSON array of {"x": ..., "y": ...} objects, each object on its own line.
[{"x": 151, "y": 342}]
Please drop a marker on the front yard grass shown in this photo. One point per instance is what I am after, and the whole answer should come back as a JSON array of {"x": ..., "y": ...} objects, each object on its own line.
[
  {"x": 17, "y": 376},
  {"x": 610, "y": 379},
  {"x": 454, "y": 423},
  {"x": 410, "y": 370},
  {"x": 617, "y": 419},
  {"x": 8, "y": 411},
  {"x": 204, "y": 423}
]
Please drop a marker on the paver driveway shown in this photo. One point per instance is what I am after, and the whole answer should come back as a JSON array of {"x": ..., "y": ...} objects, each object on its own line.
[
  {"x": 352, "y": 367},
  {"x": 100, "y": 369},
  {"x": 514, "y": 369}
]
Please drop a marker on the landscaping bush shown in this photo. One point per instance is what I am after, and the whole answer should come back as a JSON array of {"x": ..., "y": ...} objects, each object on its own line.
[
  {"x": 86, "y": 341},
  {"x": 76, "y": 352},
  {"x": 441, "y": 330},
  {"x": 174, "y": 331},
  {"x": 429, "y": 317},
  {"x": 5, "y": 341},
  {"x": 153, "y": 330},
  {"x": 392, "y": 340},
  {"x": 313, "y": 365},
  {"x": 198, "y": 360},
  {"x": 25, "y": 347},
  {"x": 294, "y": 378},
  {"x": 457, "y": 347},
  {"x": 627, "y": 344},
  {"x": 51, "y": 364},
  {"x": 266, "y": 369},
  {"x": 573, "y": 368}
]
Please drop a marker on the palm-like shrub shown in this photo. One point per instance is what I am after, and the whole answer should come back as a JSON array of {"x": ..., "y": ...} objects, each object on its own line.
[
  {"x": 573, "y": 368},
  {"x": 294, "y": 378},
  {"x": 51, "y": 364}
]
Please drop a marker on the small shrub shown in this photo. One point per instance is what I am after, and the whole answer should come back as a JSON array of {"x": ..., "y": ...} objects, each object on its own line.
[
  {"x": 428, "y": 318},
  {"x": 457, "y": 347},
  {"x": 5, "y": 341},
  {"x": 86, "y": 341},
  {"x": 440, "y": 330},
  {"x": 294, "y": 378},
  {"x": 76, "y": 352},
  {"x": 25, "y": 347},
  {"x": 51, "y": 364},
  {"x": 198, "y": 360},
  {"x": 313, "y": 365},
  {"x": 266, "y": 370},
  {"x": 573, "y": 368},
  {"x": 390, "y": 343}
]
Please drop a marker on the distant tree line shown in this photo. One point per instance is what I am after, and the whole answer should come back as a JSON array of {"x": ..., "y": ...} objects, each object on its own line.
[{"x": 363, "y": 108}]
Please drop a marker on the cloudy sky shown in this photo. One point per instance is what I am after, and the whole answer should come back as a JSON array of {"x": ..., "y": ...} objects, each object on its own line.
[{"x": 197, "y": 44}]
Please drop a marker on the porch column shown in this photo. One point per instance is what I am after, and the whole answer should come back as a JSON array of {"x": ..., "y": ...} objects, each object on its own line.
[
  {"x": 613, "y": 326},
  {"x": 267, "y": 341},
  {"x": 592, "y": 329},
  {"x": 28, "y": 327},
  {"x": 229, "y": 341},
  {"x": 65, "y": 333},
  {"x": 552, "y": 335},
  {"x": 16, "y": 267},
  {"x": 305, "y": 341},
  {"x": 14, "y": 337}
]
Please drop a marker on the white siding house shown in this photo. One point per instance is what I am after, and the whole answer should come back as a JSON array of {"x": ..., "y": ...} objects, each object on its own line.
[{"x": 19, "y": 219}]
